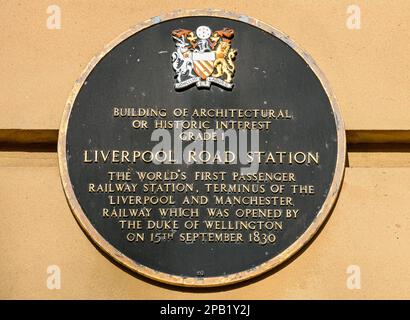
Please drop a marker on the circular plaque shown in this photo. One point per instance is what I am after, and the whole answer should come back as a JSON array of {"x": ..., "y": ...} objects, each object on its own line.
[{"x": 201, "y": 148}]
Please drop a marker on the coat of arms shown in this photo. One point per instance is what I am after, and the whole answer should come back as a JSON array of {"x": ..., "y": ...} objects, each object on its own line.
[{"x": 203, "y": 57}]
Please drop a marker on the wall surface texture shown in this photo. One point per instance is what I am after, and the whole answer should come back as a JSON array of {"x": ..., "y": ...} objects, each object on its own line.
[{"x": 369, "y": 73}]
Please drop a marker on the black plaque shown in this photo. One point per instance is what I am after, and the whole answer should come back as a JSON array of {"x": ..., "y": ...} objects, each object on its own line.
[{"x": 208, "y": 218}]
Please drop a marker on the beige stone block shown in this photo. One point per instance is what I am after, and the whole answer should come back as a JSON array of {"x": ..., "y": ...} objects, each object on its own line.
[{"x": 367, "y": 68}]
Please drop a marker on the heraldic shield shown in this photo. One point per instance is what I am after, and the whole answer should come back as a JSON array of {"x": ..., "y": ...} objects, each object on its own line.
[{"x": 203, "y": 63}]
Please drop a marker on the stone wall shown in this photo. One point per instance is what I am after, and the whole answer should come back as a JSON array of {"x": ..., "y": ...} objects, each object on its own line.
[{"x": 368, "y": 70}]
